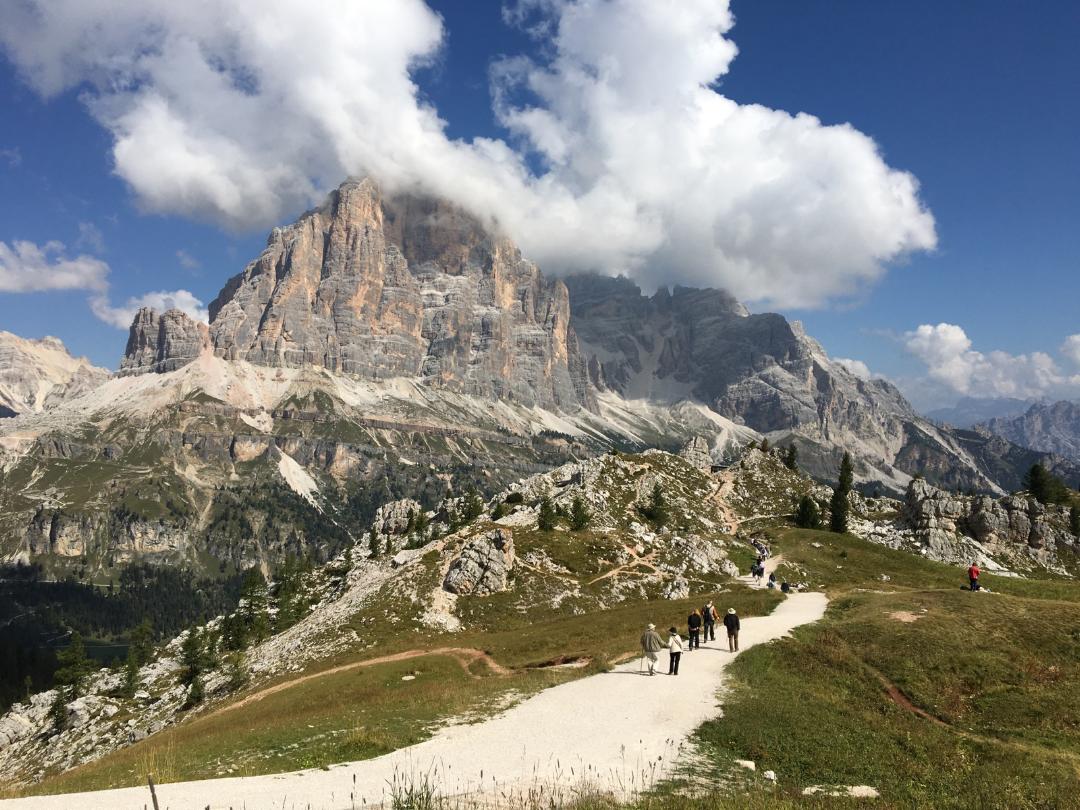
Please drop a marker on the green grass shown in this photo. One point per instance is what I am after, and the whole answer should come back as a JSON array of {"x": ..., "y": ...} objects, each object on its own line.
[
  {"x": 844, "y": 563},
  {"x": 999, "y": 672}
]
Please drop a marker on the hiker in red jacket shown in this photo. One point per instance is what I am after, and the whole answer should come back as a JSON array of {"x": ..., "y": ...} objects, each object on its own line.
[{"x": 973, "y": 576}]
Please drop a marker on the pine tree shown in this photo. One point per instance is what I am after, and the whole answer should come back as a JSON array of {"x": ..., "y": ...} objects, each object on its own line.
[
  {"x": 791, "y": 457},
  {"x": 839, "y": 506},
  {"x": 545, "y": 520},
  {"x": 142, "y": 643},
  {"x": 73, "y": 666},
  {"x": 421, "y": 524},
  {"x": 1074, "y": 520},
  {"x": 579, "y": 514},
  {"x": 500, "y": 511},
  {"x": 472, "y": 506},
  {"x": 192, "y": 656},
  {"x": 131, "y": 675},
  {"x": 69, "y": 677},
  {"x": 1044, "y": 486},
  {"x": 807, "y": 515},
  {"x": 374, "y": 544},
  {"x": 236, "y": 666},
  {"x": 196, "y": 693},
  {"x": 765, "y": 445}
]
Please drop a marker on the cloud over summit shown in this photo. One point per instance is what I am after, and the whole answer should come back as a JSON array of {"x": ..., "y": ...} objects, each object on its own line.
[{"x": 245, "y": 113}]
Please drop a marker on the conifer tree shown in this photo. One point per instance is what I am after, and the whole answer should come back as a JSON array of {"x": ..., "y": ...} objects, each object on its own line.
[
  {"x": 545, "y": 520},
  {"x": 1044, "y": 486},
  {"x": 142, "y": 643},
  {"x": 791, "y": 457},
  {"x": 839, "y": 506},
  {"x": 1074, "y": 520},
  {"x": 69, "y": 677},
  {"x": 765, "y": 445},
  {"x": 472, "y": 506},
  {"x": 807, "y": 515},
  {"x": 579, "y": 514},
  {"x": 131, "y": 675}
]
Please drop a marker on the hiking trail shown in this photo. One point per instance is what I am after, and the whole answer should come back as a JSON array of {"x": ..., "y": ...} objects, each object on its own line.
[{"x": 618, "y": 731}]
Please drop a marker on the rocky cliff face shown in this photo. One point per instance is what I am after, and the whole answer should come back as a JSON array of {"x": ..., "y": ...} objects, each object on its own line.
[
  {"x": 761, "y": 371},
  {"x": 161, "y": 343},
  {"x": 380, "y": 287},
  {"x": 37, "y": 374},
  {"x": 1015, "y": 530},
  {"x": 1049, "y": 427}
]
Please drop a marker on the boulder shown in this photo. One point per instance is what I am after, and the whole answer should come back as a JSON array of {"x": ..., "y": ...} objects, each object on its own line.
[{"x": 483, "y": 566}]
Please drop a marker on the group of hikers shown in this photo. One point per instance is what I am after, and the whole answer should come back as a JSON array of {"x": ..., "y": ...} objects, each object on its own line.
[{"x": 700, "y": 626}]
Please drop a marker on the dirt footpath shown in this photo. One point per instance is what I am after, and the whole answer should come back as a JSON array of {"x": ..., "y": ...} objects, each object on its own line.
[{"x": 618, "y": 731}]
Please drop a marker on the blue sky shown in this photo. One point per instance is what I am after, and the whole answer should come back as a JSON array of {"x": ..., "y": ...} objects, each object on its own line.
[{"x": 980, "y": 107}]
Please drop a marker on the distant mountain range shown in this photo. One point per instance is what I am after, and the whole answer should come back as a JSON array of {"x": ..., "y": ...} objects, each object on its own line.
[
  {"x": 970, "y": 411},
  {"x": 387, "y": 345},
  {"x": 1050, "y": 427}
]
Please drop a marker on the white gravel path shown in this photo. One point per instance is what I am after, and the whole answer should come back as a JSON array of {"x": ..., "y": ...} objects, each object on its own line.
[{"x": 617, "y": 731}]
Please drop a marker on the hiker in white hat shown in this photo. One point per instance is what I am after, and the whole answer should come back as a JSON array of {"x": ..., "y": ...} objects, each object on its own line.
[{"x": 651, "y": 644}]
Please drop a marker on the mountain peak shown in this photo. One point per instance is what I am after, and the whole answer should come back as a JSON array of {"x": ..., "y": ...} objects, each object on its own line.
[{"x": 35, "y": 374}]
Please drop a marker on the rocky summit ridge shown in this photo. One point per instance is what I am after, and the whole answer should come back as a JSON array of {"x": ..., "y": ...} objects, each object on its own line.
[{"x": 380, "y": 287}]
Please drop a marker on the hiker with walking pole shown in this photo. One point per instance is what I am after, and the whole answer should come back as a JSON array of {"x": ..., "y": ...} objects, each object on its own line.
[{"x": 651, "y": 644}]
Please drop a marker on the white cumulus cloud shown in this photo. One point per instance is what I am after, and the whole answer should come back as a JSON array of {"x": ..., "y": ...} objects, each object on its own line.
[
  {"x": 856, "y": 367},
  {"x": 953, "y": 364},
  {"x": 122, "y": 316},
  {"x": 29, "y": 267},
  {"x": 1071, "y": 349},
  {"x": 243, "y": 113}
]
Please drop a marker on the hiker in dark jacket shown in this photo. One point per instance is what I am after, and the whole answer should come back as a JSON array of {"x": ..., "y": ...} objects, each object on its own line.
[
  {"x": 731, "y": 622},
  {"x": 693, "y": 628},
  {"x": 708, "y": 619}
]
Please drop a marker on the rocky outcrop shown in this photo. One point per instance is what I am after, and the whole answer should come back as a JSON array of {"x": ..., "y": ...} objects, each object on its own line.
[
  {"x": 484, "y": 565},
  {"x": 938, "y": 518},
  {"x": 381, "y": 287},
  {"x": 161, "y": 343},
  {"x": 697, "y": 454},
  {"x": 123, "y": 539},
  {"x": 1049, "y": 427},
  {"x": 37, "y": 374}
]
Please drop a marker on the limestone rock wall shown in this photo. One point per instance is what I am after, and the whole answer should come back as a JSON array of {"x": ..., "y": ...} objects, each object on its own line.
[
  {"x": 384, "y": 287},
  {"x": 161, "y": 343},
  {"x": 937, "y": 518}
]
